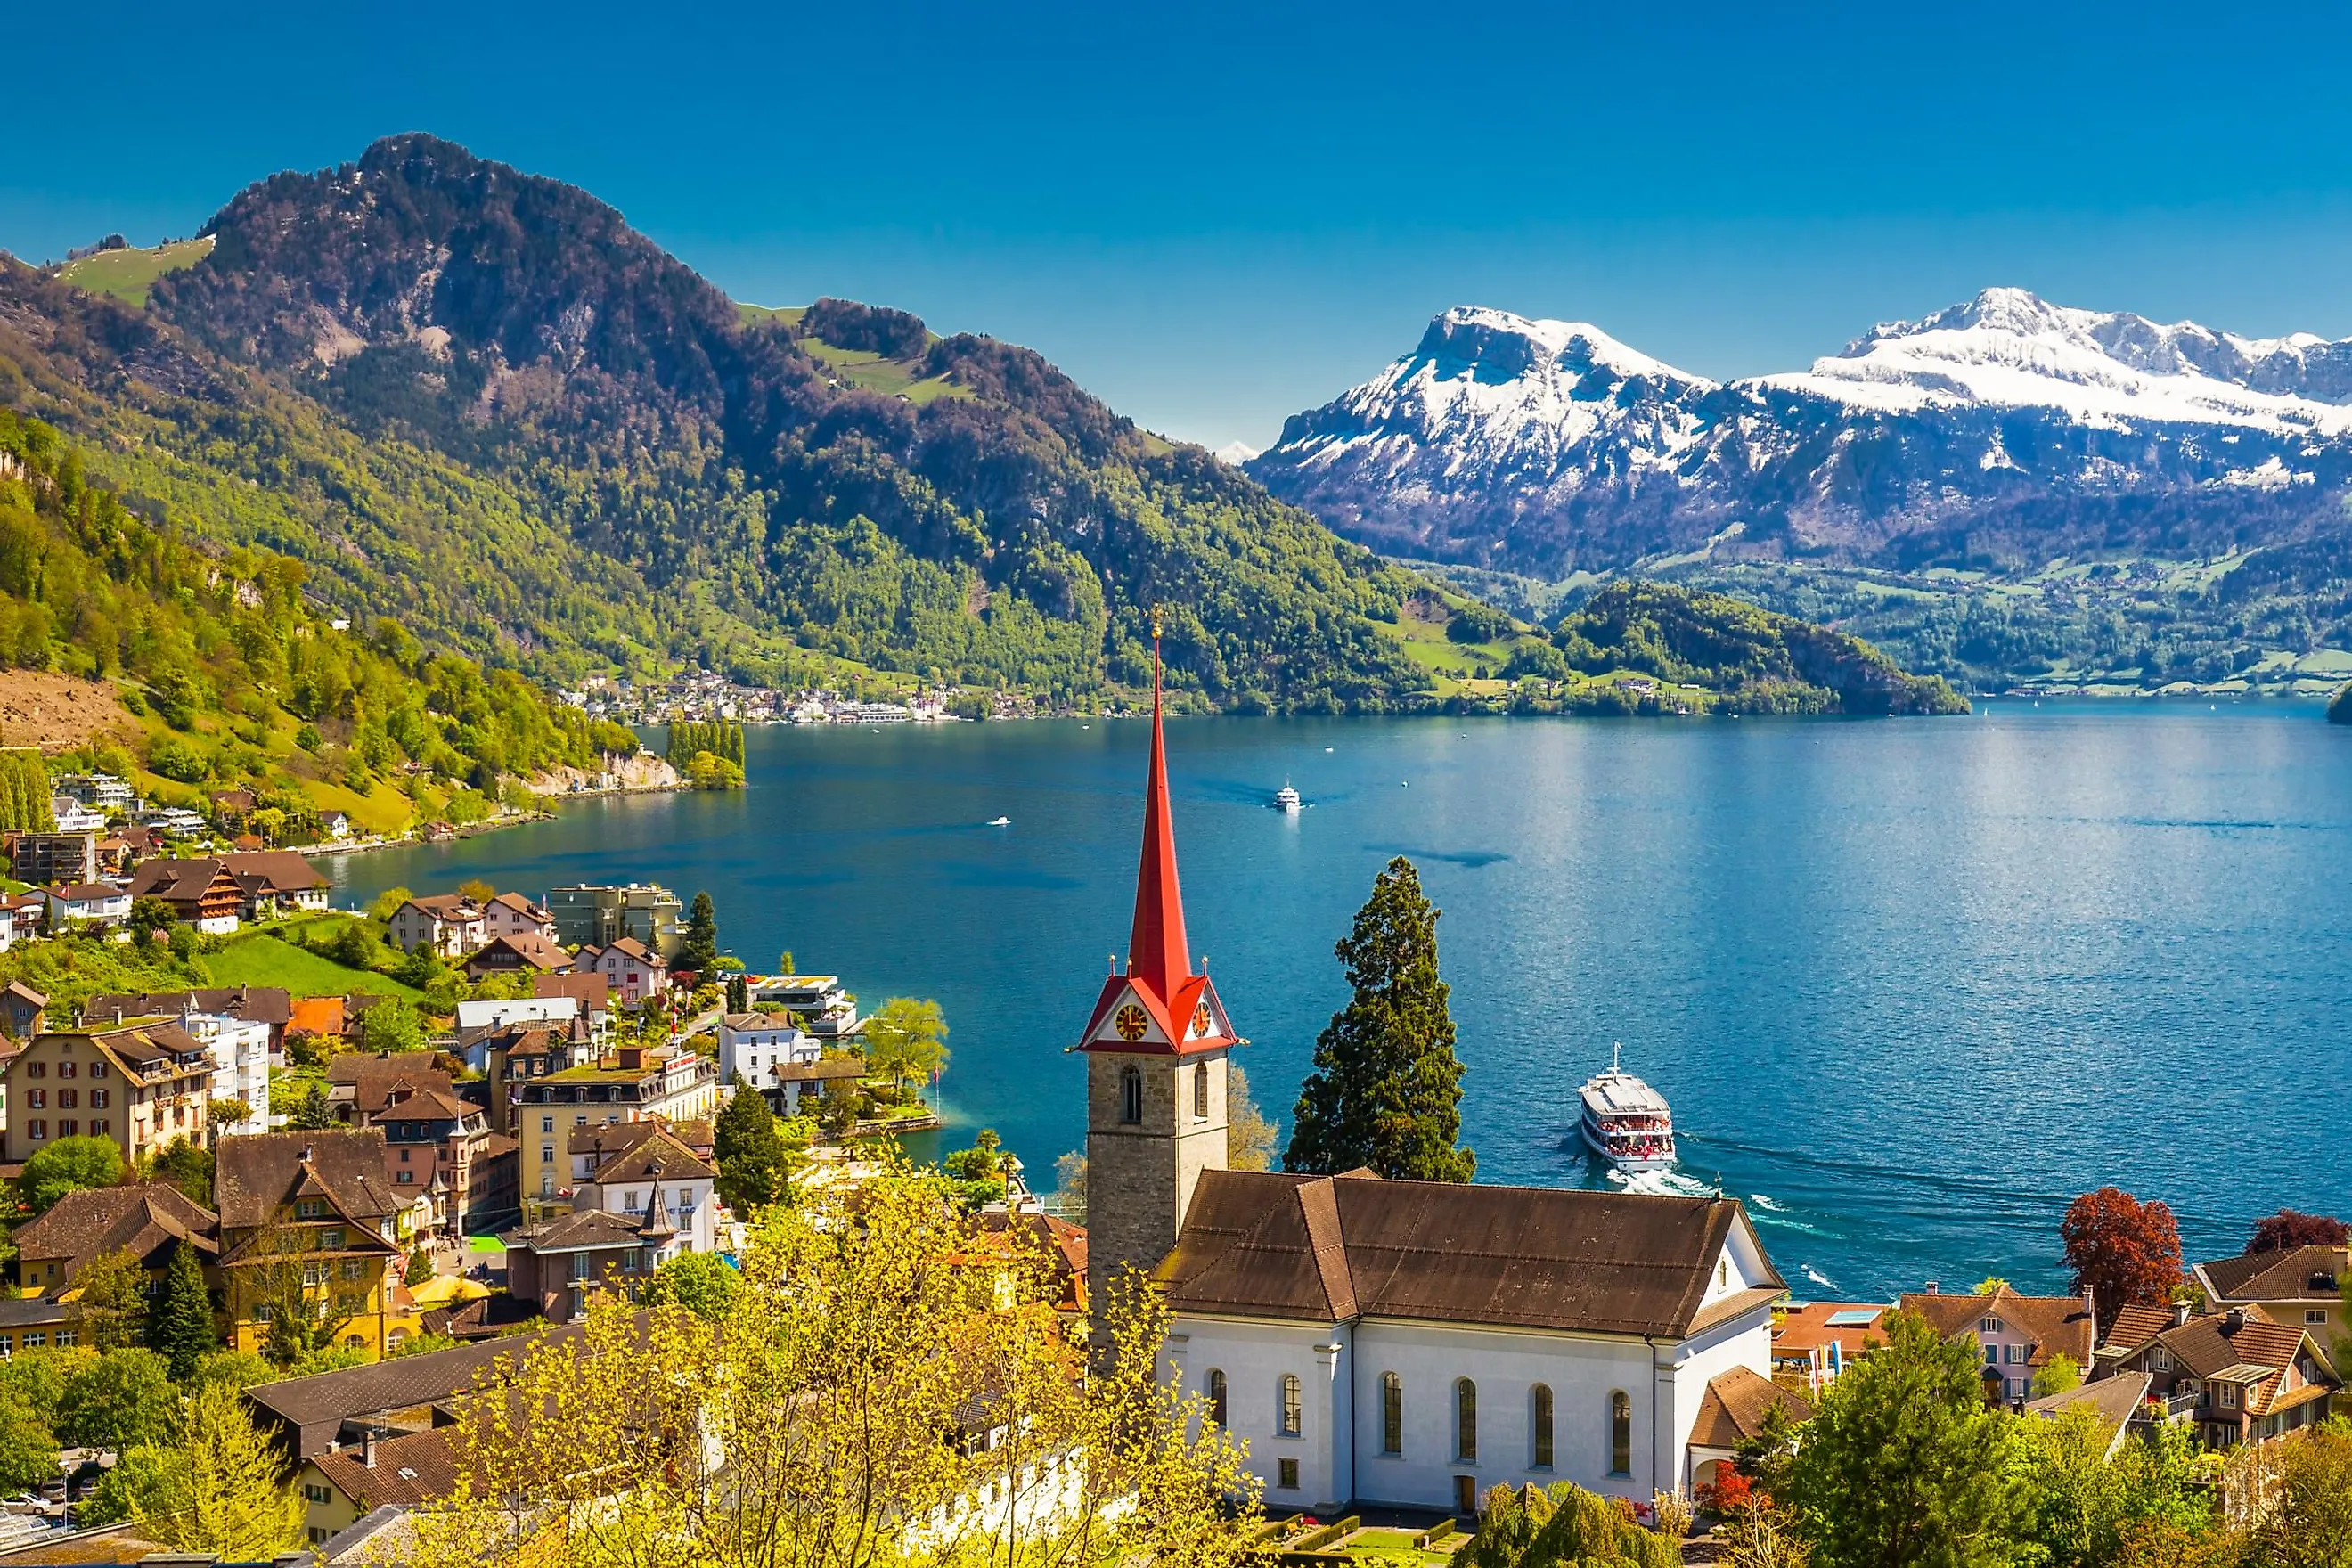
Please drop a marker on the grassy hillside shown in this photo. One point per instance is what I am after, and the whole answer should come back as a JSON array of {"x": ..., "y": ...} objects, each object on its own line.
[{"x": 127, "y": 273}]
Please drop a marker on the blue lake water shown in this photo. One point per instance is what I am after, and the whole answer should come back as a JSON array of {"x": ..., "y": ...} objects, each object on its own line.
[{"x": 1910, "y": 985}]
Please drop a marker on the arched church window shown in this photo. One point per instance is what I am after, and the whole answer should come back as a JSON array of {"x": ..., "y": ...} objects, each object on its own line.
[
  {"x": 1201, "y": 1091},
  {"x": 1621, "y": 1435},
  {"x": 1541, "y": 1399},
  {"x": 1290, "y": 1403},
  {"x": 1217, "y": 1396},
  {"x": 1465, "y": 1421},
  {"x": 1391, "y": 1414},
  {"x": 1130, "y": 1095}
]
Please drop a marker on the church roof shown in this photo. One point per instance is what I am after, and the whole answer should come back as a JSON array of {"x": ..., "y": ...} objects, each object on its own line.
[
  {"x": 1326, "y": 1249},
  {"x": 1158, "y": 978}
]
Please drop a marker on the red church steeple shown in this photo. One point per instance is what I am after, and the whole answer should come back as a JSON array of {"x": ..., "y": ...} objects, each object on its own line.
[{"x": 1159, "y": 1004}]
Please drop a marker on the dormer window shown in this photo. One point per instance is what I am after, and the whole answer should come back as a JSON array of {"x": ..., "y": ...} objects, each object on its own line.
[{"x": 309, "y": 1208}]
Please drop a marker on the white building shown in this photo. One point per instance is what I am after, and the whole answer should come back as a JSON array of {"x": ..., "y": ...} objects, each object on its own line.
[
  {"x": 240, "y": 1056},
  {"x": 828, "y": 1011},
  {"x": 665, "y": 1187},
  {"x": 101, "y": 901},
  {"x": 511, "y": 914},
  {"x": 756, "y": 1044},
  {"x": 1413, "y": 1343},
  {"x": 478, "y": 1021}
]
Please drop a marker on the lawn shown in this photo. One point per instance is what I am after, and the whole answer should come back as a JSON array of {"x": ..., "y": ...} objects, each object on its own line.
[
  {"x": 128, "y": 274},
  {"x": 260, "y": 958}
]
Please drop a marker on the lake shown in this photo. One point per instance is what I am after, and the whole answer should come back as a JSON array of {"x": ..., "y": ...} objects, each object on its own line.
[{"x": 1910, "y": 985}]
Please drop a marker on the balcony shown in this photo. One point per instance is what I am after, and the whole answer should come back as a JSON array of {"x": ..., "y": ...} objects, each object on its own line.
[{"x": 2171, "y": 1407}]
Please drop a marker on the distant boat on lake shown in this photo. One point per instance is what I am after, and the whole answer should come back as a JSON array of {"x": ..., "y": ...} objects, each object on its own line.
[
  {"x": 999, "y": 821},
  {"x": 1285, "y": 799},
  {"x": 1626, "y": 1121}
]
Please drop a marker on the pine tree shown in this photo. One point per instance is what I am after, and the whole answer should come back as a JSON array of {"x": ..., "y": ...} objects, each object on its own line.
[
  {"x": 311, "y": 1112},
  {"x": 700, "y": 950},
  {"x": 181, "y": 1328},
  {"x": 739, "y": 993},
  {"x": 751, "y": 1168},
  {"x": 1386, "y": 1091}
]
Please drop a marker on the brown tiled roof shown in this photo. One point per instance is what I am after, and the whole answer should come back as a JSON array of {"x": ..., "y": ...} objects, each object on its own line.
[
  {"x": 280, "y": 870},
  {"x": 2135, "y": 1326},
  {"x": 257, "y": 1173},
  {"x": 1062, "y": 1244},
  {"x": 578, "y": 1230},
  {"x": 317, "y": 1406},
  {"x": 254, "y": 1004},
  {"x": 139, "y": 1219},
  {"x": 530, "y": 947},
  {"x": 520, "y": 905},
  {"x": 2297, "y": 1274},
  {"x": 1329, "y": 1247},
  {"x": 1734, "y": 1407},
  {"x": 84, "y": 893},
  {"x": 658, "y": 1156},
  {"x": 591, "y": 990},
  {"x": 484, "y": 1317},
  {"x": 20, "y": 989},
  {"x": 445, "y": 906},
  {"x": 414, "y": 1468},
  {"x": 630, "y": 947},
  {"x": 2059, "y": 1325},
  {"x": 2113, "y": 1400},
  {"x": 177, "y": 881},
  {"x": 377, "y": 1081},
  {"x": 609, "y": 1140}
]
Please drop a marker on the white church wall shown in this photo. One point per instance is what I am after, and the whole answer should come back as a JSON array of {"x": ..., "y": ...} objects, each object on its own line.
[{"x": 1255, "y": 1356}]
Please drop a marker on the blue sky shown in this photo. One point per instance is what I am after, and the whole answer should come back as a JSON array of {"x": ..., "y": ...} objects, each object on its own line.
[{"x": 1214, "y": 216}]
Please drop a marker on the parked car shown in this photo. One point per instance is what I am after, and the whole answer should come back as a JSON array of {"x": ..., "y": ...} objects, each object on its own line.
[
  {"x": 53, "y": 1491},
  {"x": 23, "y": 1502}
]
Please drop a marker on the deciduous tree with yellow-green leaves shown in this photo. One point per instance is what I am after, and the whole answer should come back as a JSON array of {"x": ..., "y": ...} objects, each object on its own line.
[{"x": 889, "y": 1385}]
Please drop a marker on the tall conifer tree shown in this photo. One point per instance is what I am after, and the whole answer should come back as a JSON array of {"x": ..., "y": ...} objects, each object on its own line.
[
  {"x": 700, "y": 949},
  {"x": 1386, "y": 1091},
  {"x": 752, "y": 1165}
]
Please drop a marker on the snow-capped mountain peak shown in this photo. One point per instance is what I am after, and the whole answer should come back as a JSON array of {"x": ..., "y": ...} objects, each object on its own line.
[{"x": 1548, "y": 444}]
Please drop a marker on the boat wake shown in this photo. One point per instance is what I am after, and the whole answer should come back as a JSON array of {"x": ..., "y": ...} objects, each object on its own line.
[
  {"x": 1816, "y": 1277},
  {"x": 1661, "y": 1184},
  {"x": 1764, "y": 1202}
]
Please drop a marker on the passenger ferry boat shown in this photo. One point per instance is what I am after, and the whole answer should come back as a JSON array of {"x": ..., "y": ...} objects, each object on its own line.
[
  {"x": 1285, "y": 799},
  {"x": 1626, "y": 1121}
]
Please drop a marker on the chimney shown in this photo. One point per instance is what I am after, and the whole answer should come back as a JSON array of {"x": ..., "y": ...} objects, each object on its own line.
[
  {"x": 367, "y": 1450},
  {"x": 1930, "y": 1288},
  {"x": 2234, "y": 1319},
  {"x": 2179, "y": 1314}
]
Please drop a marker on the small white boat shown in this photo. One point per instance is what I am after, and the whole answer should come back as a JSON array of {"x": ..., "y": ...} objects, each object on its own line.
[
  {"x": 1625, "y": 1121},
  {"x": 1285, "y": 799},
  {"x": 999, "y": 821}
]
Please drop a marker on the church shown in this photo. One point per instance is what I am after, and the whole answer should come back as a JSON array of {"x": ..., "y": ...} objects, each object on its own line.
[{"x": 1394, "y": 1342}]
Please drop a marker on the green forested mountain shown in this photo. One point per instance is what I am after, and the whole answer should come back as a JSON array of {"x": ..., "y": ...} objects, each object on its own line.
[
  {"x": 477, "y": 400},
  {"x": 229, "y": 677}
]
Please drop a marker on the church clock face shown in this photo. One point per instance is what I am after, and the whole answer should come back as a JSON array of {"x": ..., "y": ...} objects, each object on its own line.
[
  {"x": 1201, "y": 1022},
  {"x": 1131, "y": 1022}
]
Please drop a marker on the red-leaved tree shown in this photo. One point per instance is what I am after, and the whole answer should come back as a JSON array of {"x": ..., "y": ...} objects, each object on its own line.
[
  {"x": 2287, "y": 1229},
  {"x": 2125, "y": 1252}
]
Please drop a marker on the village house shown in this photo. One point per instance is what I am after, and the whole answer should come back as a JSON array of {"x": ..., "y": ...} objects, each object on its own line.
[
  {"x": 202, "y": 892},
  {"x": 2115, "y": 1403},
  {"x": 328, "y": 1411},
  {"x": 277, "y": 882},
  {"x": 69, "y": 905},
  {"x": 335, "y": 825},
  {"x": 239, "y": 1049},
  {"x": 324, "y": 1019},
  {"x": 2234, "y": 1375},
  {"x": 644, "y": 1204},
  {"x": 436, "y": 1143},
  {"x": 150, "y": 1221},
  {"x": 42, "y": 858},
  {"x": 2017, "y": 1336},
  {"x": 632, "y": 971},
  {"x": 450, "y": 925},
  {"x": 141, "y": 1085},
  {"x": 660, "y": 1182},
  {"x": 308, "y": 1224},
  {"x": 342, "y": 1485},
  {"x": 511, "y": 914},
  {"x": 269, "y": 1005},
  {"x": 527, "y": 952},
  {"x": 23, "y": 1010},
  {"x": 481, "y": 1024},
  {"x": 591, "y": 992},
  {"x": 21, "y": 918},
  {"x": 2300, "y": 1286},
  {"x": 780, "y": 1062},
  {"x": 1815, "y": 1342},
  {"x": 632, "y": 1083}
]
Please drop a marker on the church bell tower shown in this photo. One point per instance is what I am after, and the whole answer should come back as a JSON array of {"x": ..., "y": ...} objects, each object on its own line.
[{"x": 1156, "y": 1046}]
